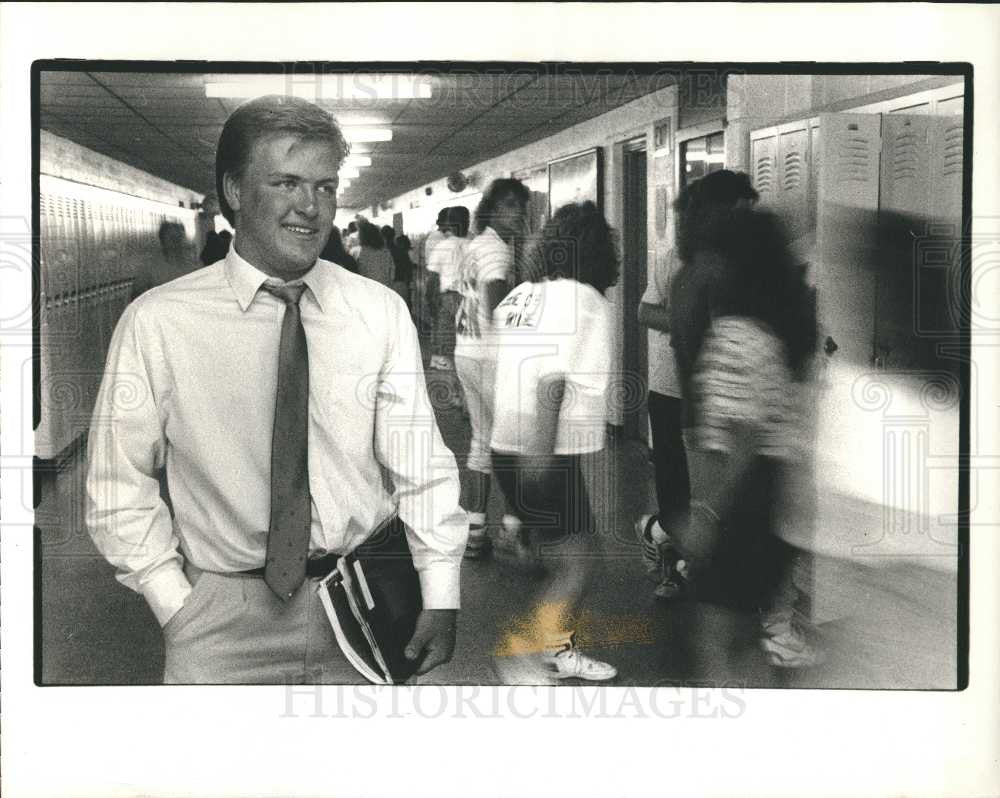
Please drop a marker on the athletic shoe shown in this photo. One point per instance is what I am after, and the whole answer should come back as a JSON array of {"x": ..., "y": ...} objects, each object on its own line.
[
  {"x": 673, "y": 577},
  {"x": 789, "y": 648},
  {"x": 569, "y": 663},
  {"x": 669, "y": 587},
  {"x": 652, "y": 557}
]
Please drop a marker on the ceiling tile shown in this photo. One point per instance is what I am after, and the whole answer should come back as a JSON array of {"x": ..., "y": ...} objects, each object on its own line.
[{"x": 472, "y": 115}]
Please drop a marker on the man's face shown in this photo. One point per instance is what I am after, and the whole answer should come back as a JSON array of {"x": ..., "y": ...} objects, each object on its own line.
[{"x": 284, "y": 203}]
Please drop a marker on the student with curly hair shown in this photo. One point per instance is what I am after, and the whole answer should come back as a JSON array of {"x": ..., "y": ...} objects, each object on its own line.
[
  {"x": 744, "y": 349},
  {"x": 552, "y": 379}
]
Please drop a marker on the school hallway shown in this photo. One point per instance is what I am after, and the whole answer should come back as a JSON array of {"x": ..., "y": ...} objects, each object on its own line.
[{"x": 888, "y": 623}]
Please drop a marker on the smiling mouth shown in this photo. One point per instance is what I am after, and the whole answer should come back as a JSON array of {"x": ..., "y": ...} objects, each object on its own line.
[{"x": 299, "y": 230}]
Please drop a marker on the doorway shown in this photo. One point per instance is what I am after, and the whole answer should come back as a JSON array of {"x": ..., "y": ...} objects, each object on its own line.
[{"x": 634, "y": 250}]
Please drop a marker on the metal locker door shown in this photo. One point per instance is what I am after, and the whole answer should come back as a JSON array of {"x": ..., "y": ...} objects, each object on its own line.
[
  {"x": 793, "y": 178},
  {"x": 850, "y": 148},
  {"x": 763, "y": 165},
  {"x": 848, "y": 457},
  {"x": 947, "y": 141},
  {"x": 904, "y": 221}
]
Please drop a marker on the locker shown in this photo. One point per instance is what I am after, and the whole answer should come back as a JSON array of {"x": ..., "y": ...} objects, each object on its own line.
[
  {"x": 85, "y": 229},
  {"x": 763, "y": 162},
  {"x": 91, "y": 241},
  {"x": 794, "y": 177},
  {"x": 887, "y": 192},
  {"x": 850, "y": 149},
  {"x": 904, "y": 219},
  {"x": 947, "y": 134}
]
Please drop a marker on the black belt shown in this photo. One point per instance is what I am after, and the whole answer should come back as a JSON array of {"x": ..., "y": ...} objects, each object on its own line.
[{"x": 316, "y": 567}]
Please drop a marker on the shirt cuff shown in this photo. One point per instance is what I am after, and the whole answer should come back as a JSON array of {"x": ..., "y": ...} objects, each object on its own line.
[
  {"x": 166, "y": 592},
  {"x": 440, "y": 586}
]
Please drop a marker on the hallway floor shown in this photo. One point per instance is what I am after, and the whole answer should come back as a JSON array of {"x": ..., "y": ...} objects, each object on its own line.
[{"x": 884, "y": 623}]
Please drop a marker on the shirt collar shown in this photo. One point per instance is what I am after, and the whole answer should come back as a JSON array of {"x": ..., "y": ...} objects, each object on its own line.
[{"x": 246, "y": 280}]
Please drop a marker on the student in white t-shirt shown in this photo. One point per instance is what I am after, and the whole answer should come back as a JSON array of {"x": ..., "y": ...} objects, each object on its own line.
[
  {"x": 664, "y": 403},
  {"x": 445, "y": 260},
  {"x": 553, "y": 369},
  {"x": 487, "y": 272}
]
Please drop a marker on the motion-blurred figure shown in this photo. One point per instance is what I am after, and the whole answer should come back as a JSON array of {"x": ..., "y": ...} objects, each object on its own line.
[
  {"x": 216, "y": 247},
  {"x": 744, "y": 345},
  {"x": 335, "y": 252},
  {"x": 701, "y": 206},
  {"x": 552, "y": 379},
  {"x": 174, "y": 259},
  {"x": 374, "y": 260},
  {"x": 403, "y": 282},
  {"x": 445, "y": 260},
  {"x": 486, "y": 274}
]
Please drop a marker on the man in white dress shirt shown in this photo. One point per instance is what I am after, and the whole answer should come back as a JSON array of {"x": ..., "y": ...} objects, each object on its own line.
[{"x": 191, "y": 385}]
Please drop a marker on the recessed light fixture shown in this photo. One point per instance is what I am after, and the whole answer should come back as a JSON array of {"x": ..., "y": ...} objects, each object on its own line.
[
  {"x": 358, "y": 134},
  {"x": 353, "y": 86}
]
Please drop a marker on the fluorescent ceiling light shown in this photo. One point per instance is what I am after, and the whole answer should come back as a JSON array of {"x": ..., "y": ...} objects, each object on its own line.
[
  {"x": 358, "y": 160},
  {"x": 357, "y": 86},
  {"x": 343, "y": 184},
  {"x": 348, "y": 172},
  {"x": 354, "y": 134}
]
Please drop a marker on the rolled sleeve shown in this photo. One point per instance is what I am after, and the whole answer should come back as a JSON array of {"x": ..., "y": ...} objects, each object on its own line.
[
  {"x": 425, "y": 476},
  {"x": 128, "y": 521}
]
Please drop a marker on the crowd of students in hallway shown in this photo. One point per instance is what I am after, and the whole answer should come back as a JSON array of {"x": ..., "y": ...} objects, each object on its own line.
[{"x": 521, "y": 331}]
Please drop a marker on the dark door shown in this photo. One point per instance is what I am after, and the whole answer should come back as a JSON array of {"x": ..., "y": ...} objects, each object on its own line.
[{"x": 634, "y": 224}]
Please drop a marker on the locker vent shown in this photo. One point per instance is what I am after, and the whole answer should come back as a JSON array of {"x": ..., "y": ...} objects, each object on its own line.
[
  {"x": 953, "y": 150},
  {"x": 904, "y": 161},
  {"x": 793, "y": 171},
  {"x": 765, "y": 174},
  {"x": 853, "y": 160}
]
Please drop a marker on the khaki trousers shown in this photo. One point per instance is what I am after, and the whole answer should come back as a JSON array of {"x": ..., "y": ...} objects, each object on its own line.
[{"x": 233, "y": 630}]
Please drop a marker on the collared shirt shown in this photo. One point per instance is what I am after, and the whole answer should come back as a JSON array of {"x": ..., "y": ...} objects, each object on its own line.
[{"x": 190, "y": 386}]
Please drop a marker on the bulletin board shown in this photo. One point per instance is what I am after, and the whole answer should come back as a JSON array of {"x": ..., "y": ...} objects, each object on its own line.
[{"x": 576, "y": 178}]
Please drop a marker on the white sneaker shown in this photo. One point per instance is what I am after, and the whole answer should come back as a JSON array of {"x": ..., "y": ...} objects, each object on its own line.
[{"x": 569, "y": 663}]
